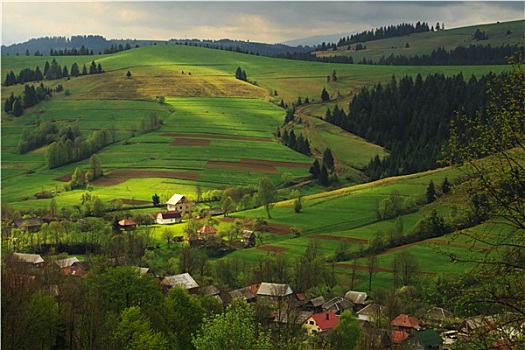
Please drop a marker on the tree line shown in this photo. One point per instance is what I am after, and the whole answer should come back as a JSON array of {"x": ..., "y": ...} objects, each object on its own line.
[
  {"x": 31, "y": 97},
  {"x": 410, "y": 118},
  {"x": 51, "y": 71},
  {"x": 461, "y": 55},
  {"x": 45, "y": 133},
  {"x": 391, "y": 31}
]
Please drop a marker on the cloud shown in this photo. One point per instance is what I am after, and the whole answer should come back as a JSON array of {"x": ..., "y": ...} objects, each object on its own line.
[{"x": 265, "y": 21}]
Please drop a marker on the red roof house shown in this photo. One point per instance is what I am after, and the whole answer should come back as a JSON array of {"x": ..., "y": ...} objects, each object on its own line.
[
  {"x": 405, "y": 322},
  {"x": 321, "y": 322},
  {"x": 398, "y": 337}
]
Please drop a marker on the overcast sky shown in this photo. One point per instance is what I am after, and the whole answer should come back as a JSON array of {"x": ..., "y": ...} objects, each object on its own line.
[{"x": 261, "y": 21}]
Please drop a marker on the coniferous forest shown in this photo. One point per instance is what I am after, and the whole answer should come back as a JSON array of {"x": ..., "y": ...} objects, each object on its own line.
[{"x": 410, "y": 118}]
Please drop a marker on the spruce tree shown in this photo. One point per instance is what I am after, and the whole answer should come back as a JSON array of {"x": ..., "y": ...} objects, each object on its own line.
[
  {"x": 324, "y": 180},
  {"x": 18, "y": 109},
  {"x": 325, "y": 96},
  {"x": 445, "y": 187},
  {"x": 8, "y": 106},
  {"x": 431, "y": 192},
  {"x": 328, "y": 159},
  {"x": 315, "y": 169}
]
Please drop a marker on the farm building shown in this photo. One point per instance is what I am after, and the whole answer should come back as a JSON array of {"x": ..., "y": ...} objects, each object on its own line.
[
  {"x": 321, "y": 322},
  {"x": 168, "y": 217},
  {"x": 179, "y": 202},
  {"x": 30, "y": 259}
]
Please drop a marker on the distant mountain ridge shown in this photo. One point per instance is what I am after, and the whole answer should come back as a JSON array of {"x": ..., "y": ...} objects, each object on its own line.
[{"x": 98, "y": 44}]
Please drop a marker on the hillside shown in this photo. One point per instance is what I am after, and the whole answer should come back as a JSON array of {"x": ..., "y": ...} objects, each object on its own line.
[{"x": 506, "y": 33}]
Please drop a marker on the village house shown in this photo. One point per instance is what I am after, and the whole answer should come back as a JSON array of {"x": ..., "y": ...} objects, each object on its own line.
[
  {"x": 34, "y": 260},
  {"x": 337, "y": 305},
  {"x": 31, "y": 224},
  {"x": 168, "y": 217},
  {"x": 359, "y": 299},
  {"x": 371, "y": 313},
  {"x": 274, "y": 292},
  {"x": 407, "y": 323},
  {"x": 246, "y": 293},
  {"x": 179, "y": 202},
  {"x": 212, "y": 291},
  {"x": 315, "y": 305},
  {"x": 183, "y": 280},
  {"x": 71, "y": 267},
  {"x": 321, "y": 322}
]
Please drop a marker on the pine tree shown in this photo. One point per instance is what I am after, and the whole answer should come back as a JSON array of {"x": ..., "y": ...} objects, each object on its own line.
[
  {"x": 8, "y": 106},
  {"x": 315, "y": 169},
  {"x": 445, "y": 187},
  {"x": 325, "y": 96},
  {"x": 84, "y": 70},
  {"x": 324, "y": 180},
  {"x": 328, "y": 159},
  {"x": 431, "y": 192},
  {"x": 18, "y": 109},
  {"x": 75, "y": 71}
]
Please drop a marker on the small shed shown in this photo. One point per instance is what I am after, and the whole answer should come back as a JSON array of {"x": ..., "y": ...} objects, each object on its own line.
[
  {"x": 248, "y": 237},
  {"x": 168, "y": 217},
  {"x": 207, "y": 230},
  {"x": 127, "y": 224},
  {"x": 71, "y": 267}
]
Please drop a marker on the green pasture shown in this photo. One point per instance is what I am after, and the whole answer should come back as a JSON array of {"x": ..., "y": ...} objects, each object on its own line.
[{"x": 424, "y": 43}]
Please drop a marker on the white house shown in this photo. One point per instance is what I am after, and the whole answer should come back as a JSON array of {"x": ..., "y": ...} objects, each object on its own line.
[
  {"x": 179, "y": 202},
  {"x": 170, "y": 217}
]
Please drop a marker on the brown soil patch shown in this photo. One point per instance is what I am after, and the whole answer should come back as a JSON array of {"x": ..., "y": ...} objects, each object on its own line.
[
  {"x": 271, "y": 248},
  {"x": 128, "y": 174},
  {"x": 380, "y": 269},
  {"x": 256, "y": 165},
  {"x": 339, "y": 238},
  {"x": 451, "y": 243},
  {"x": 190, "y": 142},
  {"x": 67, "y": 177},
  {"x": 279, "y": 229},
  {"x": 219, "y": 137},
  {"x": 273, "y": 163},
  {"x": 239, "y": 166},
  {"x": 105, "y": 181}
]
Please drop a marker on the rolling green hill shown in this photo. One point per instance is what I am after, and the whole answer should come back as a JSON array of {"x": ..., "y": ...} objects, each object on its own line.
[{"x": 424, "y": 43}]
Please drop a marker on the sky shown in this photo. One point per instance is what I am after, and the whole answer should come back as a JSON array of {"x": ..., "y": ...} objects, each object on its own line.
[{"x": 257, "y": 21}]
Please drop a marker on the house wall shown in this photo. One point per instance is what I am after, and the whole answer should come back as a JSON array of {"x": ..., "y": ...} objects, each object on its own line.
[
  {"x": 311, "y": 327},
  {"x": 184, "y": 208}
]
